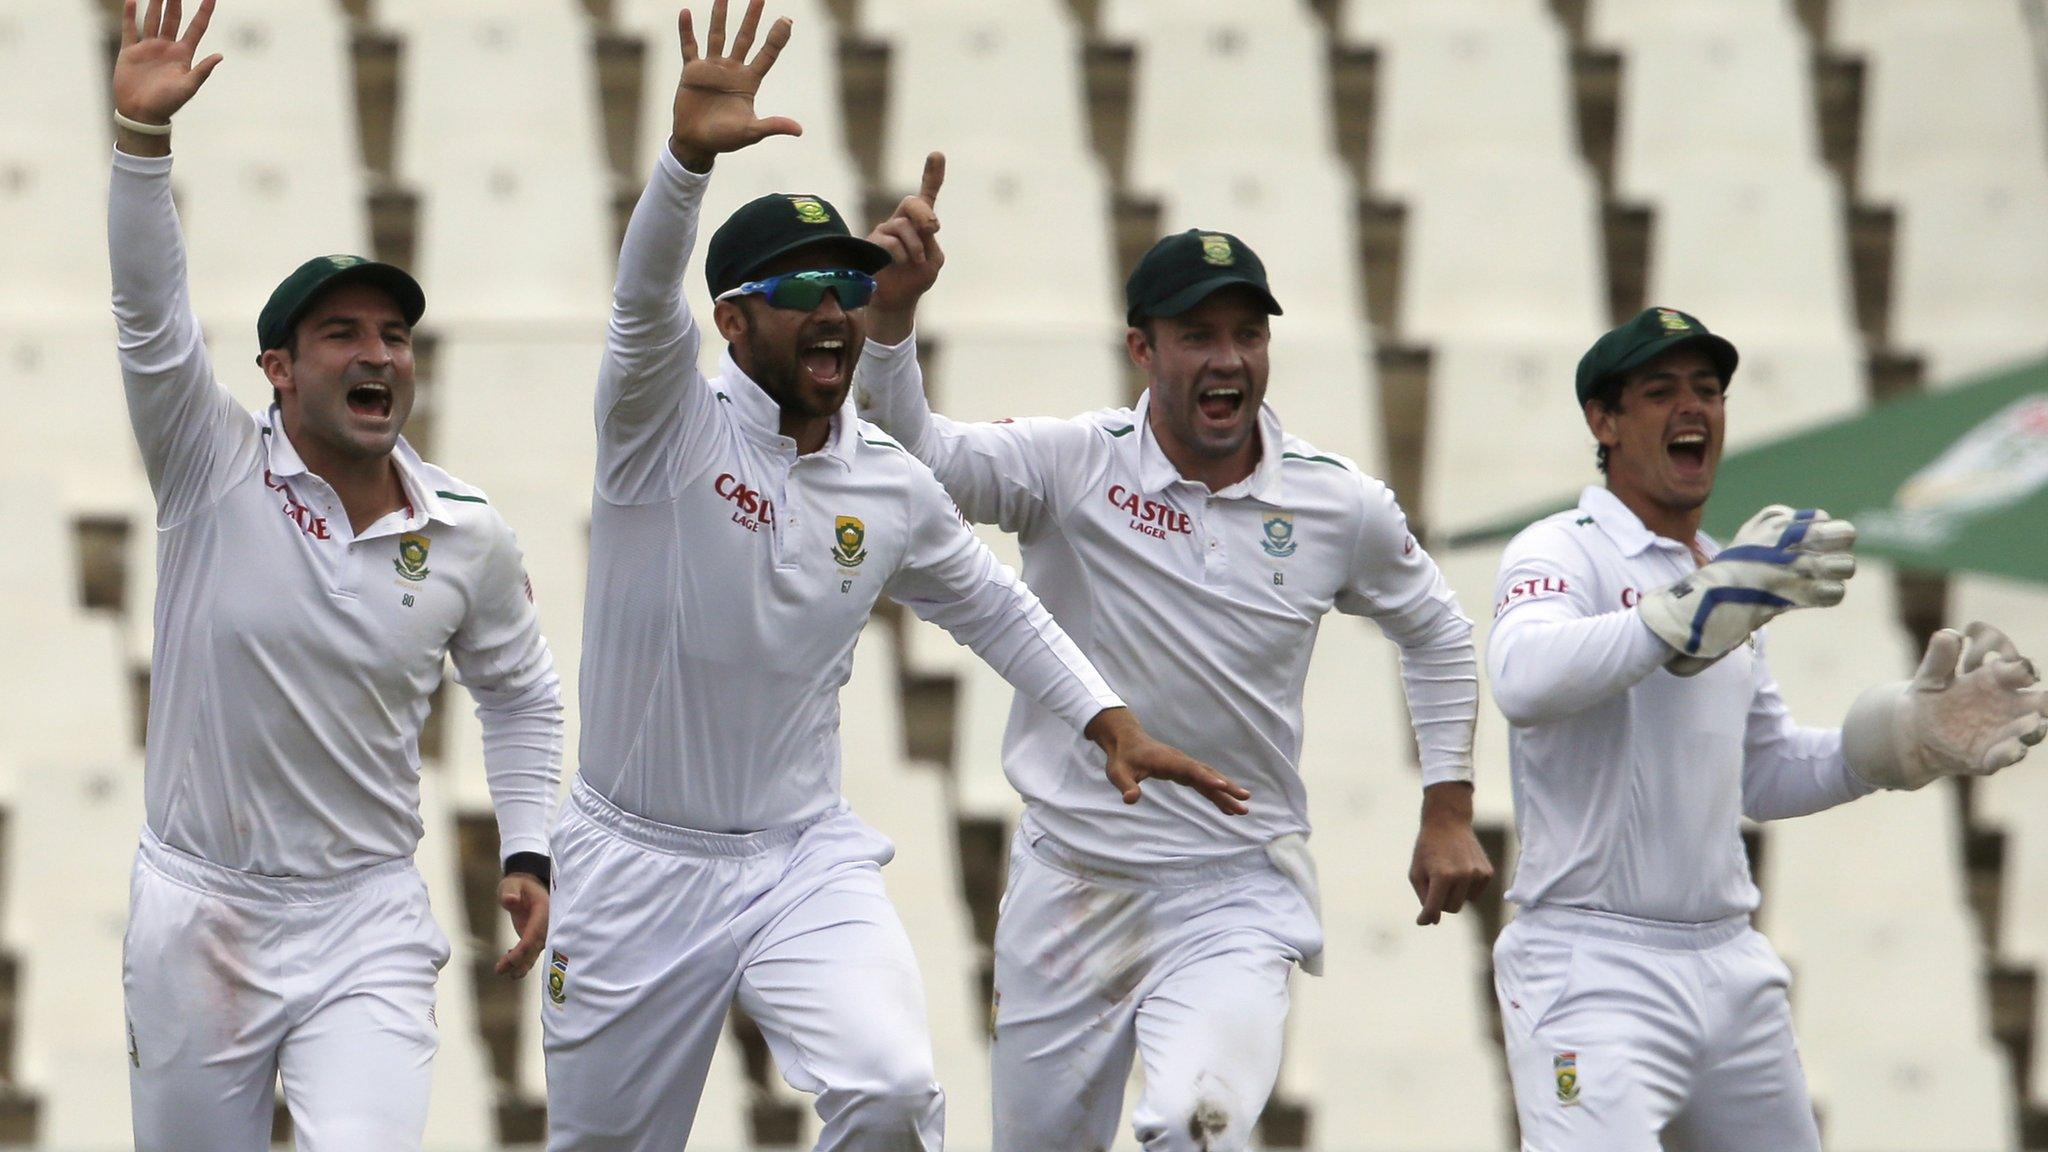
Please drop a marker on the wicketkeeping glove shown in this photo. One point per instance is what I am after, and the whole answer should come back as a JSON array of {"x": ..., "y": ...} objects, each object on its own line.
[
  {"x": 1780, "y": 560},
  {"x": 1937, "y": 724}
]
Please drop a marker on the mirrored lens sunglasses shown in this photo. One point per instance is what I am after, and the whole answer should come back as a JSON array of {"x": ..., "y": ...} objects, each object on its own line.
[{"x": 802, "y": 291}]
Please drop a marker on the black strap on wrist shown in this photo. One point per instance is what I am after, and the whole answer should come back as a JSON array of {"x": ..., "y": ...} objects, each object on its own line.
[{"x": 533, "y": 864}]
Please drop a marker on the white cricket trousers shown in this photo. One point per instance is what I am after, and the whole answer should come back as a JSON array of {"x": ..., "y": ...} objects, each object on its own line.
[
  {"x": 1183, "y": 965},
  {"x": 657, "y": 929},
  {"x": 232, "y": 978},
  {"x": 1623, "y": 1033}
]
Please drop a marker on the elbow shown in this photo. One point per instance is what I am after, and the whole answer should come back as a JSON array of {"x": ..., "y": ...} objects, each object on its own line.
[{"x": 1521, "y": 706}]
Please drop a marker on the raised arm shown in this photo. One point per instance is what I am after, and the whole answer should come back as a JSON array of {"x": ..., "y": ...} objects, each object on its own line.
[
  {"x": 1008, "y": 473},
  {"x": 951, "y": 579},
  {"x": 190, "y": 430},
  {"x": 649, "y": 396},
  {"x": 1553, "y": 651}
]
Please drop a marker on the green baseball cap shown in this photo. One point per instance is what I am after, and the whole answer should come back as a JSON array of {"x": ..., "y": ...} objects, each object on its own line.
[
  {"x": 775, "y": 225},
  {"x": 290, "y": 300},
  {"x": 1184, "y": 268},
  {"x": 1650, "y": 334}
]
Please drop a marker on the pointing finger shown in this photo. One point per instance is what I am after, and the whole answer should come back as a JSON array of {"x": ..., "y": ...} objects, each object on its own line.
[
  {"x": 934, "y": 175},
  {"x": 1432, "y": 902}
]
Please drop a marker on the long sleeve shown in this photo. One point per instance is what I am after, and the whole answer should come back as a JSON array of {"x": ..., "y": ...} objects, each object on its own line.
[
  {"x": 649, "y": 394},
  {"x": 1011, "y": 474},
  {"x": 501, "y": 657},
  {"x": 1396, "y": 584},
  {"x": 1551, "y": 654},
  {"x": 954, "y": 581},
  {"x": 193, "y": 435},
  {"x": 1788, "y": 770}
]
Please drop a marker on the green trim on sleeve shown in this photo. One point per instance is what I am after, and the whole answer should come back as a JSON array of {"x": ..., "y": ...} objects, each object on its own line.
[
  {"x": 1123, "y": 431},
  {"x": 461, "y": 497}
]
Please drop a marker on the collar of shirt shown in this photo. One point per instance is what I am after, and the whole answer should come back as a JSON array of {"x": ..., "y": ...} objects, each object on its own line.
[
  {"x": 1626, "y": 529},
  {"x": 1156, "y": 473},
  {"x": 424, "y": 504},
  {"x": 761, "y": 416}
]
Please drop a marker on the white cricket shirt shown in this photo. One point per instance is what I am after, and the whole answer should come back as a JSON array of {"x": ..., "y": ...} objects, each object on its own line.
[
  {"x": 1630, "y": 782},
  {"x": 730, "y": 576},
  {"x": 1201, "y": 607},
  {"x": 294, "y": 660}
]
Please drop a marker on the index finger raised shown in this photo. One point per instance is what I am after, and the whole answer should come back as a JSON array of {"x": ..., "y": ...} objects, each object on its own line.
[{"x": 934, "y": 175}]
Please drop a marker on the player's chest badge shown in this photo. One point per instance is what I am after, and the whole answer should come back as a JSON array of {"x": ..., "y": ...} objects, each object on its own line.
[
  {"x": 412, "y": 557},
  {"x": 1277, "y": 535},
  {"x": 849, "y": 541}
]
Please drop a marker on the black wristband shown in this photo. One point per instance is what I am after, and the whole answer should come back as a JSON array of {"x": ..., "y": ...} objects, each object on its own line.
[{"x": 533, "y": 864}]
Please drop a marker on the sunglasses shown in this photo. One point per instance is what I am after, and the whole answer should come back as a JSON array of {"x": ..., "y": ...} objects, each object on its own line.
[{"x": 803, "y": 291}]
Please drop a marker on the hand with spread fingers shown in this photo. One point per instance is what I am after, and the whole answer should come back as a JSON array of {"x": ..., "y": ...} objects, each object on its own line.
[
  {"x": 911, "y": 236},
  {"x": 714, "y": 110},
  {"x": 154, "y": 74},
  {"x": 1134, "y": 756},
  {"x": 525, "y": 899},
  {"x": 1972, "y": 708}
]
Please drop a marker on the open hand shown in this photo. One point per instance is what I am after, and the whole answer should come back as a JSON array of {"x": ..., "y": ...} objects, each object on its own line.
[
  {"x": 714, "y": 109},
  {"x": 525, "y": 898},
  {"x": 154, "y": 75},
  {"x": 1135, "y": 756}
]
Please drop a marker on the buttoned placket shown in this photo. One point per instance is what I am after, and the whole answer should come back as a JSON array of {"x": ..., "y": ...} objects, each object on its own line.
[
  {"x": 1215, "y": 556},
  {"x": 784, "y": 531}
]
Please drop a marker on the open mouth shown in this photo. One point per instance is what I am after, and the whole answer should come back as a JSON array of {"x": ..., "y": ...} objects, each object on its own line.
[
  {"x": 370, "y": 398},
  {"x": 1688, "y": 451},
  {"x": 1220, "y": 405},
  {"x": 825, "y": 362}
]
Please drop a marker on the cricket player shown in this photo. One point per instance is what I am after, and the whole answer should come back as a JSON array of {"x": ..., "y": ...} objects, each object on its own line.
[
  {"x": 1192, "y": 548},
  {"x": 1638, "y": 1002},
  {"x": 313, "y": 575},
  {"x": 742, "y": 531}
]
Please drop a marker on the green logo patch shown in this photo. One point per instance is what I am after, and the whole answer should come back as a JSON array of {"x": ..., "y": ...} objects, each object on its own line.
[
  {"x": 810, "y": 209},
  {"x": 1216, "y": 250},
  {"x": 412, "y": 556}
]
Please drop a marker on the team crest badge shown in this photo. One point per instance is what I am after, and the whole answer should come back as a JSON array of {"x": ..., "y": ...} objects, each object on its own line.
[
  {"x": 1672, "y": 321},
  {"x": 1216, "y": 250},
  {"x": 810, "y": 210},
  {"x": 1279, "y": 539},
  {"x": 848, "y": 536},
  {"x": 412, "y": 556},
  {"x": 338, "y": 262},
  {"x": 558, "y": 978},
  {"x": 1566, "y": 1067}
]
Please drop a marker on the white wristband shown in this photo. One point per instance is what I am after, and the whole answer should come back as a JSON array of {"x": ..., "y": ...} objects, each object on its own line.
[{"x": 139, "y": 126}]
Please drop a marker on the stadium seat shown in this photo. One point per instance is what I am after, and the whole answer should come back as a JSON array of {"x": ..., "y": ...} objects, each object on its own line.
[
  {"x": 1264, "y": 102},
  {"x": 1140, "y": 19},
  {"x": 1722, "y": 104},
  {"x": 1484, "y": 265},
  {"x": 1780, "y": 389},
  {"x": 285, "y": 93},
  {"x": 1629, "y": 23},
  {"x": 1393, "y": 1039},
  {"x": 1027, "y": 250},
  {"x": 58, "y": 273},
  {"x": 80, "y": 448},
  {"x": 980, "y": 717},
  {"x": 526, "y": 90},
  {"x": 942, "y": 52},
  {"x": 1506, "y": 433},
  {"x": 1325, "y": 388},
  {"x": 53, "y": 82},
  {"x": 1457, "y": 97},
  {"x": 1301, "y": 220},
  {"x": 513, "y": 415},
  {"x": 1970, "y": 278},
  {"x": 1760, "y": 258},
  {"x": 1391, "y": 22},
  {"x": 71, "y": 847},
  {"x": 1952, "y": 65}
]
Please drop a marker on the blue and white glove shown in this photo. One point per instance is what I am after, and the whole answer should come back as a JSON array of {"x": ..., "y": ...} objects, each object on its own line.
[
  {"x": 1941, "y": 723},
  {"x": 1781, "y": 559}
]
